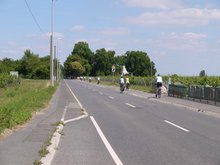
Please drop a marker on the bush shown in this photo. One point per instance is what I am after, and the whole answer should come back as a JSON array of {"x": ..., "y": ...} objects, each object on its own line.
[{"x": 7, "y": 80}]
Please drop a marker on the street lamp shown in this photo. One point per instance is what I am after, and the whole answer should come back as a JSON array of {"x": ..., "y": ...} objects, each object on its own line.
[
  {"x": 58, "y": 68},
  {"x": 51, "y": 49}
]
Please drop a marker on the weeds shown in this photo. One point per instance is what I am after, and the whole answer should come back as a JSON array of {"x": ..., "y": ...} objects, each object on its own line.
[
  {"x": 18, "y": 103},
  {"x": 37, "y": 162}
]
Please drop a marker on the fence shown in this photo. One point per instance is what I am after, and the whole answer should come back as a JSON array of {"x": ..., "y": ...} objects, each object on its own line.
[{"x": 209, "y": 95}]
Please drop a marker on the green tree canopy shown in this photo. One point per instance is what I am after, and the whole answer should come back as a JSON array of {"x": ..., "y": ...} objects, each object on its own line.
[
  {"x": 82, "y": 49},
  {"x": 138, "y": 63},
  {"x": 81, "y": 54},
  {"x": 73, "y": 69},
  {"x": 202, "y": 73},
  {"x": 7, "y": 65},
  {"x": 102, "y": 62},
  {"x": 43, "y": 69},
  {"x": 29, "y": 64}
]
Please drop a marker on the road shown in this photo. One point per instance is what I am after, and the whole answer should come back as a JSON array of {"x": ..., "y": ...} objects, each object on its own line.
[{"x": 131, "y": 130}]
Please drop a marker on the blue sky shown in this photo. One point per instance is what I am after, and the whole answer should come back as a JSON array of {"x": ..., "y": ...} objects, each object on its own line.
[{"x": 180, "y": 36}]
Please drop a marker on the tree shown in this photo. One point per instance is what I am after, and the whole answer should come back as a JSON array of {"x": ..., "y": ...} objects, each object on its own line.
[
  {"x": 202, "y": 73},
  {"x": 73, "y": 69},
  {"x": 102, "y": 62},
  {"x": 7, "y": 65},
  {"x": 82, "y": 69},
  {"x": 82, "y": 54},
  {"x": 29, "y": 63},
  {"x": 138, "y": 63},
  {"x": 43, "y": 69},
  {"x": 82, "y": 49},
  {"x": 119, "y": 61}
]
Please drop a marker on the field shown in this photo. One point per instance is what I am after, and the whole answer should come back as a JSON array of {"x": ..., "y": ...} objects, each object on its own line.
[
  {"x": 184, "y": 80},
  {"x": 20, "y": 101}
]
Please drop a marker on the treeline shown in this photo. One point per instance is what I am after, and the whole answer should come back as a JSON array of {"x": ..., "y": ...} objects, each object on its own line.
[
  {"x": 83, "y": 62},
  {"x": 30, "y": 66}
]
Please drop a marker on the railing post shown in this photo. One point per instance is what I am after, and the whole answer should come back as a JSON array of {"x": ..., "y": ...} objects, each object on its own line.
[{"x": 215, "y": 94}]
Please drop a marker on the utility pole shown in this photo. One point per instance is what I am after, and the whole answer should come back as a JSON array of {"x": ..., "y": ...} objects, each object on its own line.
[
  {"x": 55, "y": 60},
  {"x": 58, "y": 65},
  {"x": 51, "y": 49}
]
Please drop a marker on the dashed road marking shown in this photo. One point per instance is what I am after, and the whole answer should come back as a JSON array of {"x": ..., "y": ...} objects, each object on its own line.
[
  {"x": 130, "y": 105},
  {"x": 186, "y": 130}
]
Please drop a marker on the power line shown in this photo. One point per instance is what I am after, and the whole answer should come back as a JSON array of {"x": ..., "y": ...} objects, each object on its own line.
[{"x": 35, "y": 20}]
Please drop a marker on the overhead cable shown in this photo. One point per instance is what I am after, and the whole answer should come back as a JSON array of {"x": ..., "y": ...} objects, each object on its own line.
[{"x": 35, "y": 20}]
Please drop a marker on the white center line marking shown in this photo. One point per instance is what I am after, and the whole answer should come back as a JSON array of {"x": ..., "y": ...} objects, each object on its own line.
[
  {"x": 130, "y": 105},
  {"x": 111, "y": 97},
  {"x": 186, "y": 130},
  {"x": 107, "y": 144}
]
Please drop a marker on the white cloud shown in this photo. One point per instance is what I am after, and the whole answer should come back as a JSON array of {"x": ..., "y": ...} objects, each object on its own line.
[
  {"x": 12, "y": 43},
  {"x": 55, "y": 35},
  {"x": 181, "y": 42},
  {"x": 9, "y": 51},
  {"x": 78, "y": 28},
  {"x": 45, "y": 36},
  {"x": 187, "y": 36},
  {"x": 180, "y": 17},
  {"x": 160, "y": 4},
  {"x": 114, "y": 31},
  {"x": 81, "y": 40}
]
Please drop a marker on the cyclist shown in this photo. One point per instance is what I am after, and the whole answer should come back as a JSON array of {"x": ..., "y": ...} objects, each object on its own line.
[
  {"x": 98, "y": 80},
  {"x": 122, "y": 83},
  {"x": 159, "y": 83},
  {"x": 127, "y": 83}
]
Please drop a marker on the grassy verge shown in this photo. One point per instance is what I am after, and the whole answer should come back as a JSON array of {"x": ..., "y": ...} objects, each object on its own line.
[
  {"x": 147, "y": 89},
  {"x": 19, "y": 103}
]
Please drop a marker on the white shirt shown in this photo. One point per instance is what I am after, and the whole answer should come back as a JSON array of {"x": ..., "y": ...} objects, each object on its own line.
[
  {"x": 122, "y": 81},
  {"x": 159, "y": 79}
]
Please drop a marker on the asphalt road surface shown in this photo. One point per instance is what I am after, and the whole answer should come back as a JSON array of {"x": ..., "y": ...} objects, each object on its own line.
[{"x": 126, "y": 129}]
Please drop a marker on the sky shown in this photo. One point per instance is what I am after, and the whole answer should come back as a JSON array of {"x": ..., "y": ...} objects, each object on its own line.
[{"x": 180, "y": 36}]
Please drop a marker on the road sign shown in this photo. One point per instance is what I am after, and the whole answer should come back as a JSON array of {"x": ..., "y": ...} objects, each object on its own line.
[{"x": 113, "y": 68}]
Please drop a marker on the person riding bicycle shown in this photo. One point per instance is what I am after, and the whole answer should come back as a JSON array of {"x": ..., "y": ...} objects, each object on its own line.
[
  {"x": 122, "y": 83},
  {"x": 98, "y": 80},
  {"x": 159, "y": 83},
  {"x": 127, "y": 83}
]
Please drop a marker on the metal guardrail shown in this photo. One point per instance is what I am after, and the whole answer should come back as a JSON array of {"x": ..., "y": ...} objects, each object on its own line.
[{"x": 209, "y": 95}]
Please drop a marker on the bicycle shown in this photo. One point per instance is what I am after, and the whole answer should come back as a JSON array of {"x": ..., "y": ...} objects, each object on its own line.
[{"x": 158, "y": 92}]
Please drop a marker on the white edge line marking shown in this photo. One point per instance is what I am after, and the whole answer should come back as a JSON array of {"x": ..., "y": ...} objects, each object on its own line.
[
  {"x": 186, "y": 130},
  {"x": 130, "y": 105},
  {"x": 74, "y": 96},
  {"x": 107, "y": 144},
  {"x": 135, "y": 94},
  {"x": 111, "y": 97}
]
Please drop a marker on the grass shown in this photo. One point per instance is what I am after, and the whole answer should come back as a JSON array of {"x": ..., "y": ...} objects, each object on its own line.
[
  {"x": 18, "y": 103},
  {"x": 147, "y": 89},
  {"x": 44, "y": 151},
  {"x": 37, "y": 162}
]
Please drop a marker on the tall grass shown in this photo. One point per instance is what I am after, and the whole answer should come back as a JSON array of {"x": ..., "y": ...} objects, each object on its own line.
[{"x": 17, "y": 104}]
